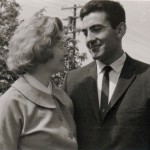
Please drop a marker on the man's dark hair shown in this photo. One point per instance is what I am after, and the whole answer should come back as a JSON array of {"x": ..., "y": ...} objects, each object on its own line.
[{"x": 114, "y": 10}]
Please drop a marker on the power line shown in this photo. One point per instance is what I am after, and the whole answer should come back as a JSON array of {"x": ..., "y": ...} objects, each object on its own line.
[
  {"x": 139, "y": 40},
  {"x": 140, "y": 35}
]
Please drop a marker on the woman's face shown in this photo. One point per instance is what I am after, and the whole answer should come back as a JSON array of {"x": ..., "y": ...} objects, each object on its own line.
[{"x": 57, "y": 63}]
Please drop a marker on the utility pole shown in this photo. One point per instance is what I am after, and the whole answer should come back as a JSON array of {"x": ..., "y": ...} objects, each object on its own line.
[
  {"x": 74, "y": 21},
  {"x": 74, "y": 17},
  {"x": 72, "y": 28}
]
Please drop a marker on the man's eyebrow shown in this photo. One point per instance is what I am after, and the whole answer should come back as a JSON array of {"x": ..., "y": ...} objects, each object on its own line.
[
  {"x": 93, "y": 26},
  {"x": 96, "y": 25}
]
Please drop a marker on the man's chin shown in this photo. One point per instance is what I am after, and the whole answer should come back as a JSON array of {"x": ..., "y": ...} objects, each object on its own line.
[
  {"x": 99, "y": 59},
  {"x": 96, "y": 58}
]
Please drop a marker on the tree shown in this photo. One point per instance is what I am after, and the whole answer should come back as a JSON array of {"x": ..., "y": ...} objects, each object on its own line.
[{"x": 9, "y": 11}]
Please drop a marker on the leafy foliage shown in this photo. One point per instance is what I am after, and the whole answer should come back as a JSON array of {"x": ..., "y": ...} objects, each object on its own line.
[{"x": 9, "y": 11}]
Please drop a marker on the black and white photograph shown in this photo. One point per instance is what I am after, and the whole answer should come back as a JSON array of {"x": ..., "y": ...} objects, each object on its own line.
[{"x": 74, "y": 75}]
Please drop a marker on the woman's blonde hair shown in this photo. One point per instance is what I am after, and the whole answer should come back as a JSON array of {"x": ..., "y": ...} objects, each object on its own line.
[{"x": 32, "y": 42}]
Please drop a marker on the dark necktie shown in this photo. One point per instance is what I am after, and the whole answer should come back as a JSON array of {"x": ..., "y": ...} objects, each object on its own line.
[{"x": 105, "y": 90}]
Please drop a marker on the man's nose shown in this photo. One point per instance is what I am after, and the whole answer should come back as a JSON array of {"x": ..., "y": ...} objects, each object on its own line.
[{"x": 90, "y": 39}]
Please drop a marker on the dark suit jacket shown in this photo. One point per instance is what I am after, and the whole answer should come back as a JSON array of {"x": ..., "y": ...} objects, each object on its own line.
[{"x": 126, "y": 124}]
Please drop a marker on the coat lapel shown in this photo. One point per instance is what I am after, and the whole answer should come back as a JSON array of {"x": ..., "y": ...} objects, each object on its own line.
[
  {"x": 91, "y": 87},
  {"x": 126, "y": 78}
]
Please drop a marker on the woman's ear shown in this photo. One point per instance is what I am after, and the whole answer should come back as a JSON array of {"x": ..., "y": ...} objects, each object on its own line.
[{"x": 121, "y": 29}]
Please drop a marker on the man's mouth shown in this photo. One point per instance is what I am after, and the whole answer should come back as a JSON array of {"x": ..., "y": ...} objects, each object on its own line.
[{"x": 95, "y": 48}]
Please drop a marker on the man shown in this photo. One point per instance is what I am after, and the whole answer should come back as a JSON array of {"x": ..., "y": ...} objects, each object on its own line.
[{"x": 123, "y": 122}]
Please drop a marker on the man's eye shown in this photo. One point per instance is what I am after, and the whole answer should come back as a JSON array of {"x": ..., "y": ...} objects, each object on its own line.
[{"x": 97, "y": 29}]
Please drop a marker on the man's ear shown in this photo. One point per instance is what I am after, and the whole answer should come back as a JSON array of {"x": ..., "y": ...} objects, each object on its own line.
[{"x": 121, "y": 29}]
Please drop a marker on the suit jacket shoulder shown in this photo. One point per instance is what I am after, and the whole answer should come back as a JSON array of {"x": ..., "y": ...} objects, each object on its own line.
[
  {"x": 77, "y": 76},
  {"x": 140, "y": 68},
  {"x": 83, "y": 72}
]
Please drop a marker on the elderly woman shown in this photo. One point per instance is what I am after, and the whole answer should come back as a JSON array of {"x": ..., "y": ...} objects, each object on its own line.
[{"x": 34, "y": 113}]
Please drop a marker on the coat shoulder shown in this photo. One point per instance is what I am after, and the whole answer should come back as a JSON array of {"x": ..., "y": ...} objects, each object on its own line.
[
  {"x": 141, "y": 67},
  {"x": 11, "y": 98}
]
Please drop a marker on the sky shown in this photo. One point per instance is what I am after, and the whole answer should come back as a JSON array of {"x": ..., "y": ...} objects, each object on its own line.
[{"x": 136, "y": 41}]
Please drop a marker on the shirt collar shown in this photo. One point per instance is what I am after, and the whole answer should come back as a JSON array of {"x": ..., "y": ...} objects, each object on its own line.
[
  {"x": 116, "y": 65},
  {"x": 36, "y": 84}
]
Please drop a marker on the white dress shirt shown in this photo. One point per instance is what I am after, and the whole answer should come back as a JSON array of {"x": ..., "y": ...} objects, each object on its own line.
[{"x": 113, "y": 75}]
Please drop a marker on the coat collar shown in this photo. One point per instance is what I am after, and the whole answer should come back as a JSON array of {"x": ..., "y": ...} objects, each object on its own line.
[
  {"x": 38, "y": 97},
  {"x": 116, "y": 65}
]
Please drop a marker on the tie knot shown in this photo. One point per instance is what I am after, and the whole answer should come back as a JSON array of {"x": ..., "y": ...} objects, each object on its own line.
[{"x": 107, "y": 68}]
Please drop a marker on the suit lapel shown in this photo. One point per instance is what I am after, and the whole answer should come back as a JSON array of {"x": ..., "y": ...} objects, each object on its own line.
[
  {"x": 126, "y": 78},
  {"x": 91, "y": 87}
]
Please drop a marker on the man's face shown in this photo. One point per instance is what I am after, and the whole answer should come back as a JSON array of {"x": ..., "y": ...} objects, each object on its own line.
[{"x": 103, "y": 42}]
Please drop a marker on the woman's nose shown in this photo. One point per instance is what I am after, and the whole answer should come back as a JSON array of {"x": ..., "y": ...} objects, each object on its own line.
[{"x": 66, "y": 52}]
